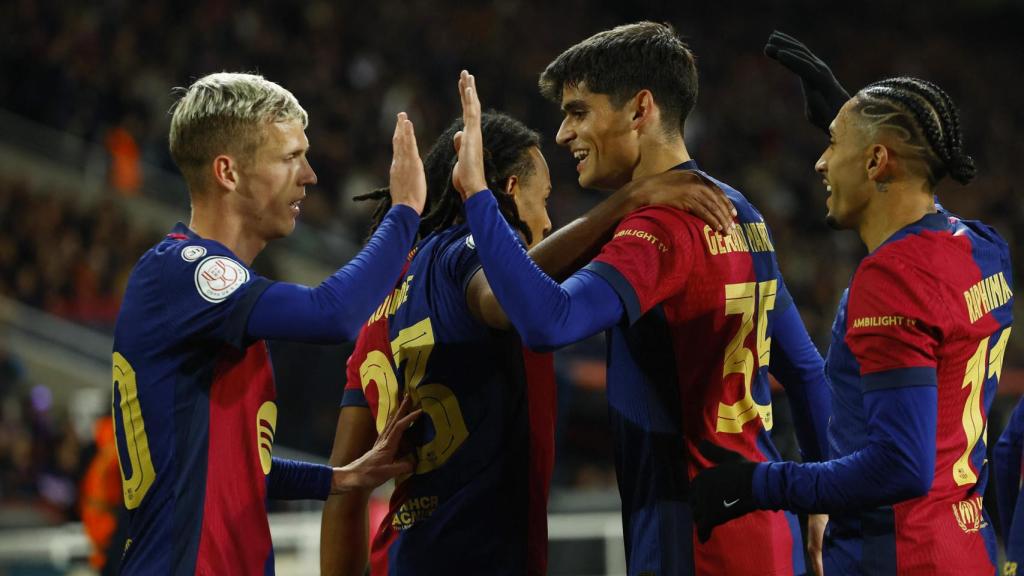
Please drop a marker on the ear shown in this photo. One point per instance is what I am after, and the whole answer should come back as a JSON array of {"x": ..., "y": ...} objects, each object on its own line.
[
  {"x": 644, "y": 110},
  {"x": 512, "y": 186},
  {"x": 879, "y": 164},
  {"x": 225, "y": 172}
]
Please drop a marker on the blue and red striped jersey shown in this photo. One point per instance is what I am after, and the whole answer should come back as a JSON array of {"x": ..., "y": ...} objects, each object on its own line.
[
  {"x": 691, "y": 364},
  {"x": 1007, "y": 458},
  {"x": 194, "y": 412},
  {"x": 477, "y": 502},
  {"x": 936, "y": 295}
]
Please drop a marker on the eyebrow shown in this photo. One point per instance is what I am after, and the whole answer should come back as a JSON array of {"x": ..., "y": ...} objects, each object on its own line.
[{"x": 574, "y": 105}]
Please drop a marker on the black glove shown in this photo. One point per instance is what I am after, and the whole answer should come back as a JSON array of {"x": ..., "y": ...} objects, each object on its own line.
[
  {"x": 823, "y": 94},
  {"x": 722, "y": 493}
]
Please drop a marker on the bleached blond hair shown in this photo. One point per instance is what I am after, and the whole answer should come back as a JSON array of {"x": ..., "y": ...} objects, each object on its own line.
[{"x": 225, "y": 113}]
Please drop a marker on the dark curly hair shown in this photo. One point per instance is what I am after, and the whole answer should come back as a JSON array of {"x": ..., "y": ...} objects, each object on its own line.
[{"x": 507, "y": 142}]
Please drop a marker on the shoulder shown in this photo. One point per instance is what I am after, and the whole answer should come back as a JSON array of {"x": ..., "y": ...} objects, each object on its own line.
[
  {"x": 203, "y": 265},
  {"x": 660, "y": 226}
]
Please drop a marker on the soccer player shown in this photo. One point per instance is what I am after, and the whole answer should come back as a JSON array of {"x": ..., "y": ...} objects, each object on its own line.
[
  {"x": 477, "y": 502},
  {"x": 1006, "y": 474},
  {"x": 193, "y": 389},
  {"x": 695, "y": 319},
  {"x": 917, "y": 348}
]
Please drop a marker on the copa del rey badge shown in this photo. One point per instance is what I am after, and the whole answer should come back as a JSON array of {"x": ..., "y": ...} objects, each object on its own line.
[{"x": 218, "y": 276}]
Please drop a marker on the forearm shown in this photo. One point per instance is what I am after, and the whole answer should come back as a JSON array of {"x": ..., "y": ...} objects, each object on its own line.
[
  {"x": 573, "y": 245},
  {"x": 798, "y": 366},
  {"x": 344, "y": 526},
  {"x": 333, "y": 311},
  {"x": 1006, "y": 461},
  {"x": 344, "y": 534},
  {"x": 294, "y": 480},
  {"x": 896, "y": 464},
  {"x": 545, "y": 313}
]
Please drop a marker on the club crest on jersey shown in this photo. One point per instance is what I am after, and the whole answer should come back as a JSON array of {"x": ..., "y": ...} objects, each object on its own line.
[
  {"x": 969, "y": 516},
  {"x": 470, "y": 242},
  {"x": 217, "y": 277},
  {"x": 192, "y": 253}
]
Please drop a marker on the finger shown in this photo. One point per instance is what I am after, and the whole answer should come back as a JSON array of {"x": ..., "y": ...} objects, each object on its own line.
[
  {"x": 717, "y": 454},
  {"x": 721, "y": 207},
  {"x": 394, "y": 416},
  {"x": 402, "y": 425},
  {"x": 705, "y": 209},
  {"x": 784, "y": 40},
  {"x": 413, "y": 146},
  {"x": 796, "y": 62}
]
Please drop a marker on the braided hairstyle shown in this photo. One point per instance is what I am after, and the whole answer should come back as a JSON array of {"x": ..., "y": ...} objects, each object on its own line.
[
  {"x": 924, "y": 118},
  {"x": 507, "y": 143}
]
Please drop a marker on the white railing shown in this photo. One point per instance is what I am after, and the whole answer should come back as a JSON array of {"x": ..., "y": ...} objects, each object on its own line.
[{"x": 296, "y": 538}]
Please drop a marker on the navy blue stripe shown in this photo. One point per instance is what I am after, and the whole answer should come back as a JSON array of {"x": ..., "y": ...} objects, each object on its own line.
[
  {"x": 354, "y": 397},
  {"x": 900, "y": 378},
  {"x": 621, "y": 286},
  {"x": 238, "y": 321},
  {"x": 878, "y": 555},
  {"x": 192, "y": 439}
]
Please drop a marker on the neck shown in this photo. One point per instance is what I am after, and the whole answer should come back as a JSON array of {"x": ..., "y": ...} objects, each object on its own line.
[
  {"x": 658, "y": 155},
  {"x": 901, "y": 204},
  {"x": 225, "y": 226}
]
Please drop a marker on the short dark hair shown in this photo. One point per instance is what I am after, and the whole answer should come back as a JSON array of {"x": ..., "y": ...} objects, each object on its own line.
[
  {"x": 624, "y": 60},
  {"x": 507, "y": 143},
  {"x": 924, "y": 118}
]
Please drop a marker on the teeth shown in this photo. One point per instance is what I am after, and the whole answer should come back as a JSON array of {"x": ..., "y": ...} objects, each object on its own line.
[
  {"x": 580, "y": 154},
  {"x": 828, "y": 188}
]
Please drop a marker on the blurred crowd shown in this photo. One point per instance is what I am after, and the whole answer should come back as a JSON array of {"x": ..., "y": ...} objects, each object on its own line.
[{"x": 104, "y": 72}]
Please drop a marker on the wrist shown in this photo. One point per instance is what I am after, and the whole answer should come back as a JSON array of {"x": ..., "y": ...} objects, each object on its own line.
[
  {"x": 415, "y": 207},
  {"x": 342, "y": 480}
]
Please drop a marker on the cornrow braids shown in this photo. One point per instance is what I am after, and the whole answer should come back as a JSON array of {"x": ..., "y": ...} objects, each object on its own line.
[
  {"x": 925, "y": 118},
  {"x": 506, "y": 153}
]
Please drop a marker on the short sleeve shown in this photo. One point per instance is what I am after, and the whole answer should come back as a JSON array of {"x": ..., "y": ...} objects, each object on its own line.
[
  {"x": 893, "y": 317},
  {"x": 648, "y": 258},
  {"x": 209, "y": 293},
  {"x": 353, "y": 394},
  {"x": 461, "y": 261}
]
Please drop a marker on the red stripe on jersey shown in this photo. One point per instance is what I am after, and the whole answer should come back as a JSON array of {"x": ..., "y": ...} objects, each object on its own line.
[
  {"x": 542, "y": 406},
  {"x": 235, "y": 536}
]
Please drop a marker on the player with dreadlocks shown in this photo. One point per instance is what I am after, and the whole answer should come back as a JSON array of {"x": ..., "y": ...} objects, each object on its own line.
[
  {"x": 917, "y": 350},
  {"x": 477, "y": 501}
]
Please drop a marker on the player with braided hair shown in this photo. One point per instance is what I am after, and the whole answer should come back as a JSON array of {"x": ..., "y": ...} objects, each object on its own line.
[
  {"x": 476, "y": 503},
  {"x": 916, "y": 354}
]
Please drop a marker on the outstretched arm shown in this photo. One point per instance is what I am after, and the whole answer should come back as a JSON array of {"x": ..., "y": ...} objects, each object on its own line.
[
  {"x": 545, "y": 313},
  {"x": 798, "y": 366},
  {"x": 334, "y": 310},
  {"x": 823, "y": 94}
]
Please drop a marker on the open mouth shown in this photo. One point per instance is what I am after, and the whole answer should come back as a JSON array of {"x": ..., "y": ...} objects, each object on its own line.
[
  {"x": 295, "y": 206},
  {"x": 581, "y": 158}
]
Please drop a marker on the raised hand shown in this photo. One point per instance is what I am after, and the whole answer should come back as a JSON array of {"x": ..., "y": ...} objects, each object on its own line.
[
  {"x": 687, "y": 191},
  {"x": 408, "y": 183},
  {"x": 823, "y": 94},
  {"x": 382, "y": 462},
  {"x": 468, "y": 174}
]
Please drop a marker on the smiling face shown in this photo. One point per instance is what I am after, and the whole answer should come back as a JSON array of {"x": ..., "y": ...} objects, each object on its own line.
[
  {"x": 600, "y": 136},
  {"x": 530, "y": 193},
  {"x": 272, "y": 183},
  {"x": 844, "y": 167}
]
